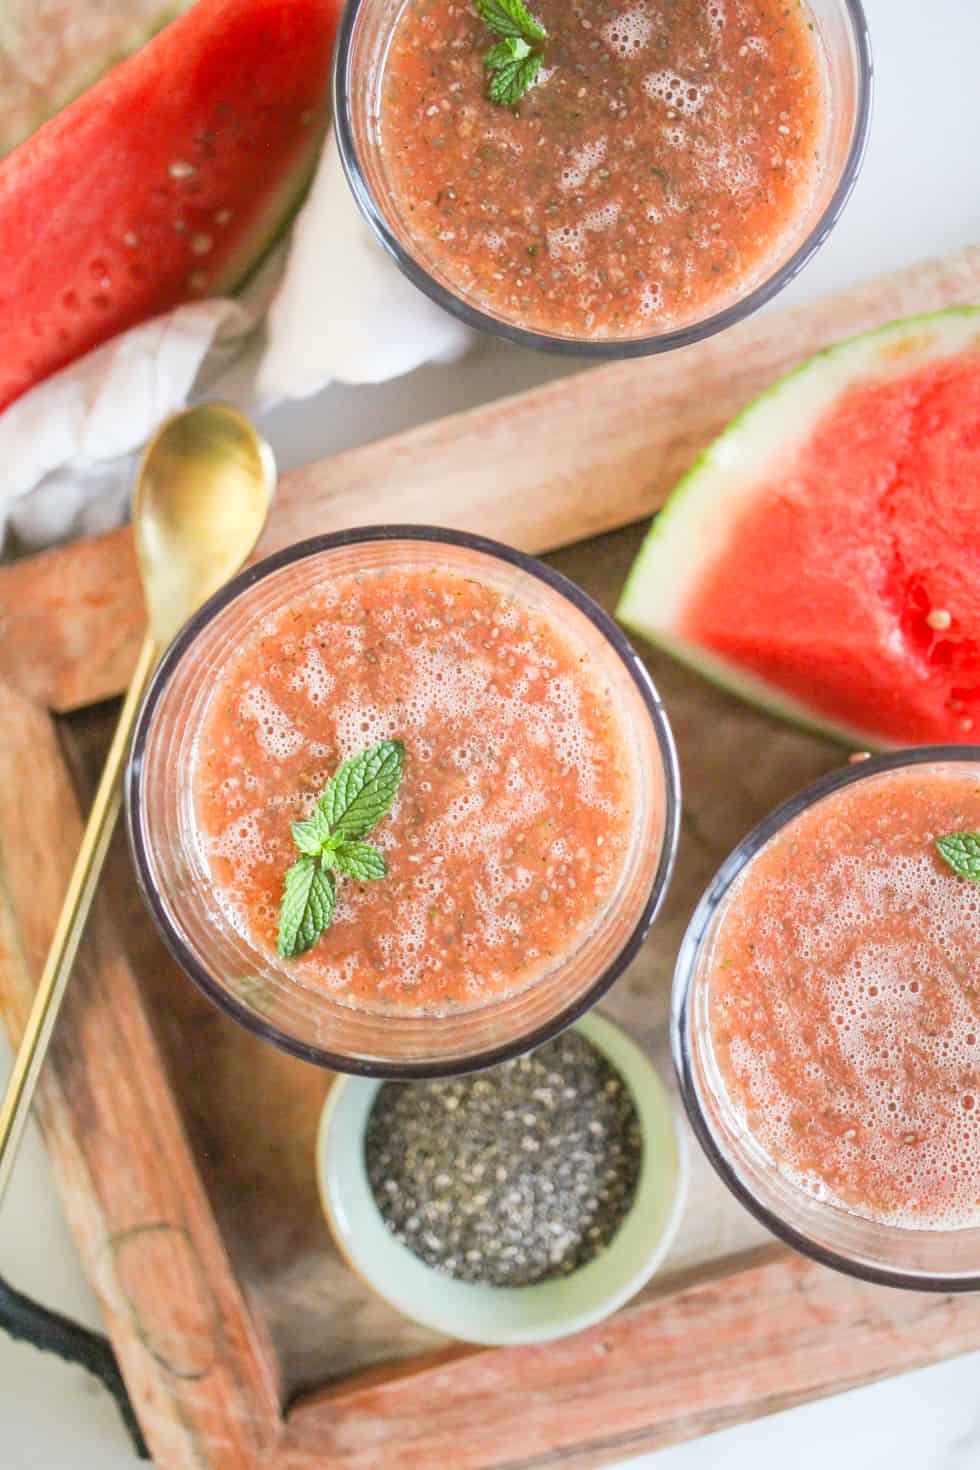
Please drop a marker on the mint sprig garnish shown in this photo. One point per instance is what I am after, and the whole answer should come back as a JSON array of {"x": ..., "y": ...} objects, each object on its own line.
[
  {"x": 514, "y": 62},
  {"x": 962, "y": 851},
  {"x": 510, "y": 18},
  {"x": 510, "y": 81},
  {"x": 357, "y": 796},
  {"x": 310, "y": 837},
  {"x": 361, "y": 861},
  {"x": 513, "y": 49},
  {"x": 362, "y": 790},
  {"x": 309, "y": 897}
]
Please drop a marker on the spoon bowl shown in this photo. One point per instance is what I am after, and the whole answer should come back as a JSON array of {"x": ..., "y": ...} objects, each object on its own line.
[{"x": 201, "y": 500}]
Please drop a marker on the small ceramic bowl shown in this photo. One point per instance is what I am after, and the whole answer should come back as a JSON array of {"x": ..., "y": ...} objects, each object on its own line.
[{"x": 496, "y": 1315}]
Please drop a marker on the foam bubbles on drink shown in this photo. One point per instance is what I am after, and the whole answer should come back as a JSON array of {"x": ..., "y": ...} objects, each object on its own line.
[
  {"x": 237, "y": 849},
  {"x": 602, "y": 218},
  {"x": 565, "y": 241},
  {"x": 276, "y": 733},
  {"x": 651, "y": 299},
  {"x": 726, "y": 168},
  {"x": 852, "y": 1034},
  {"x": 313, "y": 676},
  {"x": 629, "y": 33},
  {"x": 502, "y": 739},
  {"x": 584, "y": 161},
  {"x": 680, "y": 95}
]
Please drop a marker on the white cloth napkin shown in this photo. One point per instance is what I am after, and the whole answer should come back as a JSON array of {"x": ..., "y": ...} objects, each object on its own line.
[{"x": 331, "y": 306}]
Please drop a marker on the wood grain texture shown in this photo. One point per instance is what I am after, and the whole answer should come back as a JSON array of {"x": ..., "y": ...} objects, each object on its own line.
[
  {"x": 195, "y": 1363},
  {"x": 540, "y": 470},
  {"x": 758, "y": 1340}
]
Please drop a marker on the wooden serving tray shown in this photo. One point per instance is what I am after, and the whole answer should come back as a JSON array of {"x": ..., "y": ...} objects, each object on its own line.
[{"x": 183, "y": 1146}]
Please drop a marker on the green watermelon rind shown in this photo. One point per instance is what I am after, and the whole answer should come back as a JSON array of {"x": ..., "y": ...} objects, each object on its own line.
[
  {"x": 672, "y": 555},
  {"x": 277, "y": 217}
]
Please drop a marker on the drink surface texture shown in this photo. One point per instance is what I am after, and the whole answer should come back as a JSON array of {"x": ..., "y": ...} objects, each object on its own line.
[
  {"x": 653, "y": 172},
  {"x": 844, "y": 1000},
  {"x": 512, "y": 822}
]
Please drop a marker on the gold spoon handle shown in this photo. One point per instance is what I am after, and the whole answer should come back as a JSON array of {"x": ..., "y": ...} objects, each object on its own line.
[{"x": 71, "y": 922}]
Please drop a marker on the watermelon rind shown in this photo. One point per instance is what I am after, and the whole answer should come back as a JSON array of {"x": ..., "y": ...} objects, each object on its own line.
[
  {"x": 278, "y": 214},
  {"x": 51, "y": 52},
  {"x": 692, "y": 529}
]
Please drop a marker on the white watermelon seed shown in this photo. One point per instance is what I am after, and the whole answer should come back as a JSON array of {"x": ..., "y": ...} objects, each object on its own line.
[
  {"x": 201, "y": 244},
  {"x": 181, "y": 170},
  {"x": 939, "y": 619}
]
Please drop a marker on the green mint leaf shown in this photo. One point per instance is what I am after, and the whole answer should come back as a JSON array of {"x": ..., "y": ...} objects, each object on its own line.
[
  {"x": 309, "y": 897},
  {"x": 512, "y": 80},
  {"x": 361, "y": 861},
  {"x": 514, "y": 62},
  {"x": 354, "y": 800},
  {"x": 311, "y": 837},
  {"x": 962, "y": 851},
  {"x": 513, "y": 49},
  {"x": 509, "y": 18},
  {"x": 361, "y": 792}
]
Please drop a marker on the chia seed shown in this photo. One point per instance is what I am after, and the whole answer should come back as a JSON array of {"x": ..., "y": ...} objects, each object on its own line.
[{"x": 512, "y": 1176}]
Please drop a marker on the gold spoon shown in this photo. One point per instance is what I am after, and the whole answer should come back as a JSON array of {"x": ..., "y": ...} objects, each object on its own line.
[{"x": 200, "y": 502}]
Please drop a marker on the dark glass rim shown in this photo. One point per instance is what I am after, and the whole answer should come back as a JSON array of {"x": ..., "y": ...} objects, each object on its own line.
[
  {"x": 202, "y": 977},
  {"x": 680, "y": 1018},
  {"x": 607, "y": 348}
]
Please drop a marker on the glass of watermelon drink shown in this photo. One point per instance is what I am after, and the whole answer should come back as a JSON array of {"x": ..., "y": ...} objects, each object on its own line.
[
  {"x": 531, "y": 836},
  {"x": 669, "y": 169},
  {"x": 826, "y": 1022}
]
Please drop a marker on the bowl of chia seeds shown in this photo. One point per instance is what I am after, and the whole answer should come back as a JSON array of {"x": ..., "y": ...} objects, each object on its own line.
[{"x": 517, "y": 1204}]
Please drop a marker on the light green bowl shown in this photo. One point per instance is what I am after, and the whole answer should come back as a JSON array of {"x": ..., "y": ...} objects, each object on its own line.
[{"x": 496, "y": 1315}]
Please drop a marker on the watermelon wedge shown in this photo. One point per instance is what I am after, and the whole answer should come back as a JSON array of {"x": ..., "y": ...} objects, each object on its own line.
[
  {"x": 822, "y": 557},
  {"x": 165, "y": 181},
  {"x": 51, "y": 50}
]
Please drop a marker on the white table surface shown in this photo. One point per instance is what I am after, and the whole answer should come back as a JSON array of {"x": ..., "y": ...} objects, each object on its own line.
[{"x": 919, "y": 195}]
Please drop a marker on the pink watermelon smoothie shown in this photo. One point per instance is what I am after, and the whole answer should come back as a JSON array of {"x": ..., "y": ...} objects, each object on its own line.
[
  {"x": 849, "y": 580},
  {"x": 513, "y": 821},
  {"x": 844, "y": 1000}
]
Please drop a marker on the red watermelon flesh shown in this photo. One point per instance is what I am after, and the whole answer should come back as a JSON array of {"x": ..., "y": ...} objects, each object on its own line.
[
  {"x": 165, "y": 181},
  {"x": 876, "y": 528},
  {"x": 842, "y": 584}
]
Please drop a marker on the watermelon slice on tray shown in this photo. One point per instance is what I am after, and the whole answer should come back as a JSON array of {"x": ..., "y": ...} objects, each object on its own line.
[
  {"x": 822, "y": 557},
  {"x": 165, "y": 181}
]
